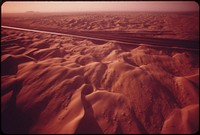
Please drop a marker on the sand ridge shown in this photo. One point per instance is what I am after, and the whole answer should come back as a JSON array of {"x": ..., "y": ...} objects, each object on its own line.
[{"x": 60, "y": 84}]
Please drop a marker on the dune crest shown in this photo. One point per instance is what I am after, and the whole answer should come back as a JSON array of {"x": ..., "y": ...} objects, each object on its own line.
[{"x": 59, "y": 84}]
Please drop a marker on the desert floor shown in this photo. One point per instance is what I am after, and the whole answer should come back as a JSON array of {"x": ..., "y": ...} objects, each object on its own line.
[{"x": 63, "y": 84}]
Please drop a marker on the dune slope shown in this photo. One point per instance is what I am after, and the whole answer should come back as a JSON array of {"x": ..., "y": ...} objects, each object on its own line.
[{"x": 59, "y": 84}]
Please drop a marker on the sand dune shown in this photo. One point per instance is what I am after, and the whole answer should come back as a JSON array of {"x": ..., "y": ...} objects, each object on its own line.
[
  {"x": 145, "y": 24},
  {"x": 182, "y": 121},
  {"x": 60, "y": 84}
]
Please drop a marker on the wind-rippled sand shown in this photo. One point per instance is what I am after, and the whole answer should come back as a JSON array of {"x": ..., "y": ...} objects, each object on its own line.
[{"x": 60, "y": 84}]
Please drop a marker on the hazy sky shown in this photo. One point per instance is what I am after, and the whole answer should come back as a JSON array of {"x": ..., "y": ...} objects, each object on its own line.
[{"x": 12, "y": 7}]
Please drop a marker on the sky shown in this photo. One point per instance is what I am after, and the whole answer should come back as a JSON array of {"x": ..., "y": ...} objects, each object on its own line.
[{"x": 78, "y": 6}]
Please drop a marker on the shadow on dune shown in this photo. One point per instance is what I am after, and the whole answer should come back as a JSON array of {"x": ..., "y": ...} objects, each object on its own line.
[
  {"x": 88, "y": 124},
  {"x": 98, "y": 42},
  {"x": 14, "y": 119}
]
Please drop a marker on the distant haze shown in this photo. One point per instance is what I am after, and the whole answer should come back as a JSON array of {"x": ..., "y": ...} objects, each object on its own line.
[{"x": 16, "y": 7}]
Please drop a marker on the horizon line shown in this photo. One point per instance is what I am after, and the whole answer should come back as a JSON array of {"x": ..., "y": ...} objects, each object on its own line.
[{"x": 92, "y": 11}]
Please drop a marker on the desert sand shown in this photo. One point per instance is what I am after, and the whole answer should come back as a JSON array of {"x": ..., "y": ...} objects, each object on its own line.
[
  {"x": 65, "y": 85},
  {"x": 183, "y": 25}
]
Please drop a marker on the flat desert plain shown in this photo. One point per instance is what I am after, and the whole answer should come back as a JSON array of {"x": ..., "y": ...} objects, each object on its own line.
[{"x": 64, "y": 84}]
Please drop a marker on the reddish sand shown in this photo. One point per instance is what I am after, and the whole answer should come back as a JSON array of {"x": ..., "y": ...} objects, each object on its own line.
[
  {"x": 145, "y": 24},
  {"x": 59, "y": 84}
]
